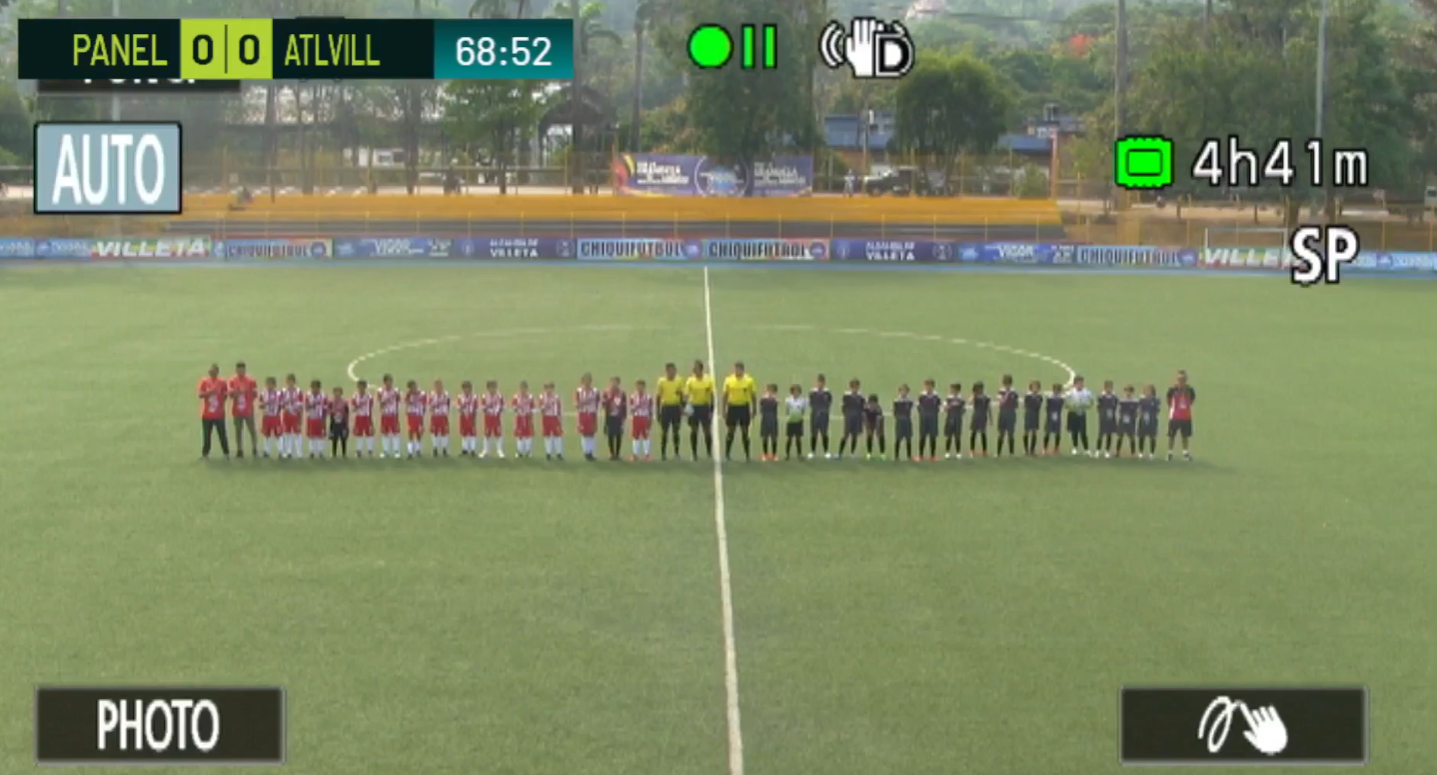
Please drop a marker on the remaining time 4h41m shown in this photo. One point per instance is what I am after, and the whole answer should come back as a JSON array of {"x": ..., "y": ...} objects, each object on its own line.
[{"x": 1229, "y": 163}]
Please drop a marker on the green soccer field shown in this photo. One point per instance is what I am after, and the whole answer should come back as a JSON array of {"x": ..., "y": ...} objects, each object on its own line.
[{"x": 566, "y": 619}]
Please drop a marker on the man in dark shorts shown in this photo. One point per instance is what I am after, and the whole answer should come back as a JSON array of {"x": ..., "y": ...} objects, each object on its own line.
[
  {"x": 820, "y": 403},
  {"x": 1032, "y": 417},
  {"x": 873, "y": 426},
  {"x": 853, "y": 404},
  {"x": 930, "y": 406},
  {"x": 738, "y": 397},
  {"x": 903, "y": 425},
  {"x": 1181, "y": 398},
  {"x": 953, "y": 407},
  {"x": 699, "y": 391},
  {"x": 670, "y": 398},
  {"x": 1007, "y": 413},
  {"x": 338, "y": 425}
]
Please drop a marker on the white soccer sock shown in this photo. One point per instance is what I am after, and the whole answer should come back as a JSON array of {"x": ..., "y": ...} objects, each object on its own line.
[
  {"x": 559, "y": 445},
  {"x": 648, "y": 447},
  {"x": 634, "y": 447}
]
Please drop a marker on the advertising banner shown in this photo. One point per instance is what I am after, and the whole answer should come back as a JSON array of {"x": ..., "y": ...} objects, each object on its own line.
[
  {"x": 884, "y": 250},
  {"x": 275, "y": 248},
  {"x": 765, "y": 250},
  {"x": 1396, "y": 262},
  {"x": 1015, "y": 253},
  {"x": 639, "y": 249},
  {"x": 513, "y": 248},
  {"x": 1247, "y": 258},
  {"x": 67, "y": 247},
  {"x": 392, "y": 247},
  {"x": 16, "y": 247},
  {"x": 1134, "y": 255},
  {"x": 151, "y": 248},
  {"x": 655, "y": 174}
]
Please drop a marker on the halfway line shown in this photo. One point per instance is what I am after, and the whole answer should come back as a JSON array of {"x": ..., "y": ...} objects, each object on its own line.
[{"x": 730, "y": 654}]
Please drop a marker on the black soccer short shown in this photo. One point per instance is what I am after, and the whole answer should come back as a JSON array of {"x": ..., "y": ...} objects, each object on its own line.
[
  {"x": 820, "y": 422},
  {"x": 702, "y": 414},
  {"x": 1077, "y": 423},
  {"x": 670, "y": 415},
  {"x": 1127, "y": 429},
  {"x": 613, "y": 426},
  {"x": 1007, "y": 424},
  {"x": 953, "y": 426},
  {"x": 1032, "y": 423},
  {"x": 902, "y": 428},
  {"x": 928, "y": 426},
  {"x": 338, "y": 431},
  {"x": 738, "y": 415},
  {"x": 1148, "y": 430},
  {"x": 768, "y": 426},
  {"x": 1107, "y": 426},
  {"x": 1182, "y": 428},
  {"x": 979, "y": 425},
  {"x": 795, "y": 430},
  {"x": 852, "y": 425}
]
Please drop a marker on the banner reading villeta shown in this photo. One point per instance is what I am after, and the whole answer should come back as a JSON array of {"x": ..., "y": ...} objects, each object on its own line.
[{"x": 654, "y": 174}]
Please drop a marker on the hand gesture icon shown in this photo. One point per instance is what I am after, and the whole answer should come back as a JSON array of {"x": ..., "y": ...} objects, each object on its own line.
[
  {"x": 861, "y": 47},
  {"x": 1266, "y": 731}
]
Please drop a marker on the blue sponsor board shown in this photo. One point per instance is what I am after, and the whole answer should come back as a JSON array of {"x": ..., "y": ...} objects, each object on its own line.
[
  {"x": 17, "y": 247},
  {"x": 637, "y": 249},
  {"x": 765, "y": 249},
  {"x": 63, "y": 248},
  {"x": 513, "y": 248},
  {"x": 274, "y": 248},
  {"x": 1014, "y": 253},
  {"x": 393, "y": 247},
  {"x": 886, "y": 250},
  {"x": 1134, "y": 255},
  {"x": 1397, "y": 262}
]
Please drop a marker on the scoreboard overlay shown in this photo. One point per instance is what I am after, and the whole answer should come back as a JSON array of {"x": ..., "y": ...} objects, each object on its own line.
[{"x": 205, "y": 50}]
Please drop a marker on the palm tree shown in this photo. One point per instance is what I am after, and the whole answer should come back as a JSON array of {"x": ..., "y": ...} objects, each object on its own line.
[
  {"x": 588, "y": 27},
  {"x": 645, "y": 14},
  {"x": 497, "y": 9}
]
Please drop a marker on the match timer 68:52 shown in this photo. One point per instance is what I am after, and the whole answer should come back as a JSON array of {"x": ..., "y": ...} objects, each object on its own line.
[{"x": 507, "y": 49}]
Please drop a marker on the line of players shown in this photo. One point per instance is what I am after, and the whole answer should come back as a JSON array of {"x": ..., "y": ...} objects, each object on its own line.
[{"x": 332, "y": 417}]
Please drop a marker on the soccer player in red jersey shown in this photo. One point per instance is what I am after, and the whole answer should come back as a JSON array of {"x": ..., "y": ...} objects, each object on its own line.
[
  {"x": 468, "y": 416},
  {"x": 1181, "y": 397},
  {"x": 338, "y": 424},
  {"x": 362, "y": 407},
  {"x": 242, "y": 391},
  {"x": 641, "y": 404},
  {"x": 493, "y": 405},
  {"x": 292, "y": 399},
  {"x": 212, "y": 410},
  {"x": 586, "y": 403},
  {"x": 524, "y": 405},
  {"x": 439, "y": 403},
  {"x": 414, "y": 403},
  {"x": 316, "y": 409},
  {"x": 389, "y": 399},
  {"x": 551, "y": 409},
  {"x": 271, "y": 402}
]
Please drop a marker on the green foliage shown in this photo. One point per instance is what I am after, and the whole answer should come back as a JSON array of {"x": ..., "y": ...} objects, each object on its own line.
[
  {"x": 16, "y": 135},
  {"x": 1031, "y": 182},
  {"x": 947, "y": 106}
]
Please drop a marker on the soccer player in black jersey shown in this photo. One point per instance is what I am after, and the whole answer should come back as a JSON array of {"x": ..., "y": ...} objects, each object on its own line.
[
  {"x": 873, "y": 426},
  {"x": 820, "y": 403},
  {"x": 852, "y": 407},
  {"x": 1128, "y": 421},
  {"x": 1032, "y": 417},
  {"x": 768, "y": 423},
  {"x": 1107, "y": 418},
  {"x": 954, "y": 406},
  {"x": 930, "y": 405},
  {"x": 903, "y": 425},
  {"x": 1053, "y": 426},
  {"x": 1148, "y": 407},
  {"x": 978, "y": 426},
  {"x": 1007, "y": 413}
]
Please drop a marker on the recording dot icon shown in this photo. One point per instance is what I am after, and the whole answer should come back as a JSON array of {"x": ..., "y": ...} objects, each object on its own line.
[{"x": 710, "y": 47}]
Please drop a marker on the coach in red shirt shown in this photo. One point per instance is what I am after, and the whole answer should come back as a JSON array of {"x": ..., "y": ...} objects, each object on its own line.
[
  {"x": 1181, "y": 397},
  {"x": 212, "y": 392},
  {"x": 242, "y": 390}
]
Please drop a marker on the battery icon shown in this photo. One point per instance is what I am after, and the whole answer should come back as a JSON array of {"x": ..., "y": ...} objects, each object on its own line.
[{"x": 1143, "y": 163}]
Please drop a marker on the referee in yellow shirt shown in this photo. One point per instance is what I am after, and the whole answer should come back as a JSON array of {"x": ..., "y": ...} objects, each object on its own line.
[
  {"x": 671, "y": 410},
  {"x": 699, "y": 390},
  {"x": 739, "y": 394}
]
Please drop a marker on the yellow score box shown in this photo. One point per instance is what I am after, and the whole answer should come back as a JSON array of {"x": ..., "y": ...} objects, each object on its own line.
[{"x": 227, "y": 49}]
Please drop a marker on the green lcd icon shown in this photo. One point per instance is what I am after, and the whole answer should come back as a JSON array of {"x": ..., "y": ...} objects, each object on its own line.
[{"x": 1143, "y": 163}]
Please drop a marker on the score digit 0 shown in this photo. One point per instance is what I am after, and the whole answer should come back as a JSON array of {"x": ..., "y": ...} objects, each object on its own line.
[{"x": 227, "y": 49}]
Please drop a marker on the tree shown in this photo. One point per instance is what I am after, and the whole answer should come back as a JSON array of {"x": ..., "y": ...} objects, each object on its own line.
[
  {"x": 497, "y": 9},
  {"x": 644, "y": 14},
  {"x": 944, "y": 107},
  {"x": 743, "y": 115},
  {"x": 492, "y": 115},
  {"x": 588, "y": 28}
]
